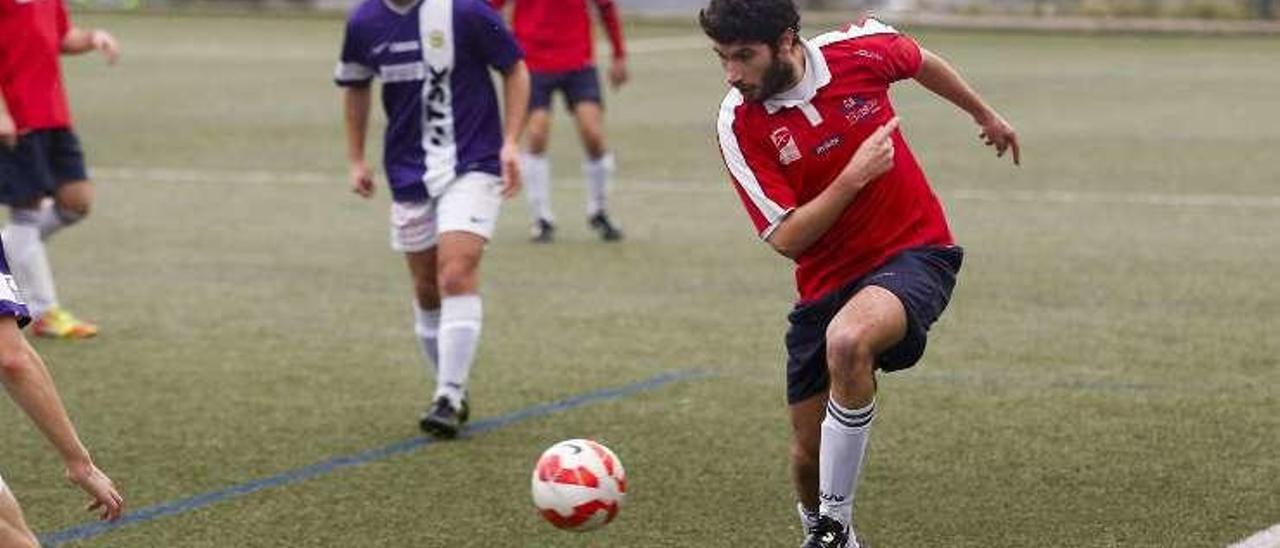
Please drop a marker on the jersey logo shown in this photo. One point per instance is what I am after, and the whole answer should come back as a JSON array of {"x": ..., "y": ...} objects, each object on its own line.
[
  {"x": 827, "y": 146},
  {"x": 405, "y": 46},
  {"x": 782, "y": 139},
  {"x": 403, "y": 72},
  {"x": 857, "y": 109},
  {"x": 437, "y": 106},
  {"x": 436, "y": 39},
  {"x": 869, "y": 54}
]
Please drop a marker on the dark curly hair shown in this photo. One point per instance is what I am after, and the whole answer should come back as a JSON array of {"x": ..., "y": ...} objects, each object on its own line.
[{"x": 749, "y": 21}]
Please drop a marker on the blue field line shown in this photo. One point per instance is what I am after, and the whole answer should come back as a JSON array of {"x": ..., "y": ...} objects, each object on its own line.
[{"x": 92, "y": 529}]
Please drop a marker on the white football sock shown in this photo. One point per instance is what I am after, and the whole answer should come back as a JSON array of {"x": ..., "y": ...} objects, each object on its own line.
[
  {"x": 460, "y": 319},
  {"x": 51, "y": 218},
  {"x": 536, "y": 171},
  {"x": 597, "y": 173},
  {"x": 808, "y": 520},
  {"x": 844, "y": 443},
  {"x": 426, "y": 325},
  {"x": 30, "y": 263}
]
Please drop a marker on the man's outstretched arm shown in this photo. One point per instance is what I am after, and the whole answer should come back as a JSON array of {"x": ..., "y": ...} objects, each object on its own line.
[
  {"x": 27, "y": 380},
  {"x": 938, "y": 76}
]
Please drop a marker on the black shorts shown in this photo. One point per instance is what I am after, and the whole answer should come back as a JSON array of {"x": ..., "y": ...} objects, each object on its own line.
[
  {"x": 922, "y": 278},
  {"x": 43, "y": 161},
  {"x": 577, "y": 86}
]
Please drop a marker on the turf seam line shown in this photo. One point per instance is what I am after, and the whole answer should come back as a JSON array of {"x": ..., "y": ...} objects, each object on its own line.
[{"x": 179, "y": 506}]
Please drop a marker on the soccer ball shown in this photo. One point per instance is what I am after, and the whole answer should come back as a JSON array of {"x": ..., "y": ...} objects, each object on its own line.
[{"x": 578, "y": 485}]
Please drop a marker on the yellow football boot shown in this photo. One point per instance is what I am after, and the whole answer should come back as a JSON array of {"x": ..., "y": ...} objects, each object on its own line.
[{"x": 57, "y": 323}]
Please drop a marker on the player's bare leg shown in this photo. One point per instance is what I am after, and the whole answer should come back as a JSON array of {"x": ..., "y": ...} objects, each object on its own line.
[
  {"x": 422, "y": 267},
  {"x": 458, "y": 263},
  {"x": 806, "y": 439},
  {"x": 14, "y": 532},
  {"x": 598, "y": 167},
  {"x": 536, "y": 171},
  {"x": 869, "y": 324},
  {"x": 589, "y": 116},
  {"x": 458, "y": 279}
]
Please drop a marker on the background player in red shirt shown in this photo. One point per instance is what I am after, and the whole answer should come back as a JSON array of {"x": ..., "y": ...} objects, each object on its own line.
[
  {"x": 811, "y": 141},
  {"x": 42, "y": 172},
  {"x": 556, "y": 37}
]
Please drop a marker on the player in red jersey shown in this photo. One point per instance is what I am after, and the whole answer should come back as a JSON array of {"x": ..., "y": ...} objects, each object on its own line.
[
  {"x": 42, "y": 172},
  {"x": 556, "y": 37},
  {"x": 812, "y": 144}
]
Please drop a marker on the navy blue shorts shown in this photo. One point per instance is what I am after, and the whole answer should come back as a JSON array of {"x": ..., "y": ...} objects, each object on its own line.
[
  {"x": 922, "y": 278},
  {"x": 577, "y": 86},
  {"x": 43, "y": 161}
]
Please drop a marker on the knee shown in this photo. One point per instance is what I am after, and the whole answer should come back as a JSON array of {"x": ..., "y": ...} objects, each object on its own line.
[
  {"x": 537, "y": 142},
  {"x": 17, "y": 536},
  {"x": 457, "y": 278},
  {"x": 849, "y": 354},
  {"x": 72, "y": 210},
  {"x": 73, "y": 200},
  {"x": 16, "y": 364}
]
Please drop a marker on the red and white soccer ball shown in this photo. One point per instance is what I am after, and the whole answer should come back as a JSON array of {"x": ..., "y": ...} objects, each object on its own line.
[{"x": 579, "y": 485}]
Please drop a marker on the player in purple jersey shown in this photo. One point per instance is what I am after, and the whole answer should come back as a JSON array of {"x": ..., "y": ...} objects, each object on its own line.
[
  {"x": 27, "y": 381},
  {"x": 449, "y": 158}
]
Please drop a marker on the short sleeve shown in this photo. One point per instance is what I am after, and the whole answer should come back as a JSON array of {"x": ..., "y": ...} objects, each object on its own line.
[
  {"x": 892, "y": 55},
  {"x": 902, "y": 57},
  {"x": 489, "y": 35},
  {"x": 354, "y": 67},
  {"x": 755, "y": 170}
]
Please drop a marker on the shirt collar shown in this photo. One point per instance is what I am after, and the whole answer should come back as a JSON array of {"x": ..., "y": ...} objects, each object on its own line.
[
  {"x": 401, "y": 10},
  {"x": 816, "y": 76}
]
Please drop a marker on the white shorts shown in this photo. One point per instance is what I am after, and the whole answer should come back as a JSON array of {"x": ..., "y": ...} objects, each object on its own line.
[
  {"x": 469, "y": 204},
  {"x": 3, "y": 487}
]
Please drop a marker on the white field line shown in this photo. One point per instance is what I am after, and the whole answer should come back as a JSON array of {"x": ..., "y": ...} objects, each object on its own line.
[
  {"x": 276, "y": 53},
  {"x": 663, "y": 44},
  {"x": 1268, "y": 538},
  {"x": 215, "y": 176},
  {"x": 1145, "y": 198},
  {"x": 336, "y": 179}
]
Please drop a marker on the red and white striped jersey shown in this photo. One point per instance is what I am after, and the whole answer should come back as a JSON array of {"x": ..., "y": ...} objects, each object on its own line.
[{"x": 783, "y": 151}]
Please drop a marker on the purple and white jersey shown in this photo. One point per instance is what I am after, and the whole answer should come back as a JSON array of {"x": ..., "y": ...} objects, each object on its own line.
[
  {"x": 10, "y": 303},
  {"x": 442, "y": 110}
]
